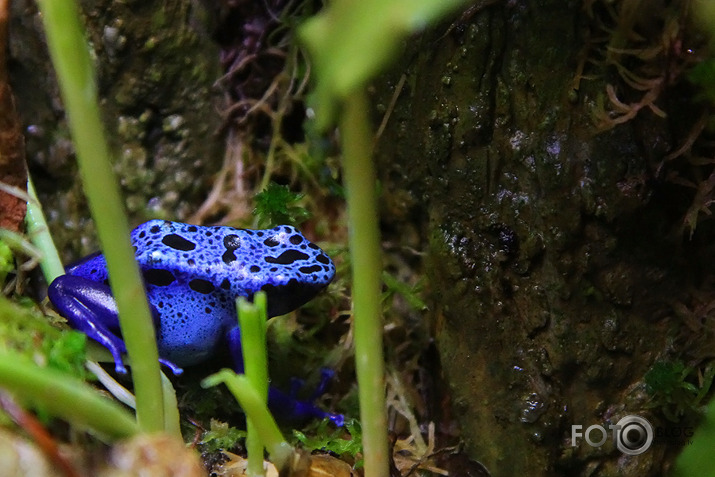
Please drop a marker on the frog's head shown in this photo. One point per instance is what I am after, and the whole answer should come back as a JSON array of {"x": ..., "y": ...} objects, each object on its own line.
[{"x": 293, "y": 269}]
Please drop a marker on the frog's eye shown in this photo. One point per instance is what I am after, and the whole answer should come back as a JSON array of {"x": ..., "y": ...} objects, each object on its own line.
[
  {"x": 232, "y": 243},
  {"x": 271, "y": 241}
]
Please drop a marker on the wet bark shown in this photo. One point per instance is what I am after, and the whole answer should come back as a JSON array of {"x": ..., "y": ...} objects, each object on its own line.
[{"x": 556, "y": 251}]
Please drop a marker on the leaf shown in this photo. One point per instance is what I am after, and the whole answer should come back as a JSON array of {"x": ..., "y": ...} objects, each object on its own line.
[{"x": 352, "y": 40}]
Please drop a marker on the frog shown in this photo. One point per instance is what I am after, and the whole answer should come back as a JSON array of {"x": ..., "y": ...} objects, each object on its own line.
[{"x": 192, "y": 275}]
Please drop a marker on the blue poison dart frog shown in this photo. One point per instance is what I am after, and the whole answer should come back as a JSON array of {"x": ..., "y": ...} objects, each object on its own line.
[{"x": 192, "y": 275}]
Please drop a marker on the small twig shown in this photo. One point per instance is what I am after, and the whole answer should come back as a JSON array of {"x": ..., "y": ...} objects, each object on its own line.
[
  {"x": 693, "y": 135},
  {"x": 390, "y": 108},
  {"x": 14, "y": 190}
]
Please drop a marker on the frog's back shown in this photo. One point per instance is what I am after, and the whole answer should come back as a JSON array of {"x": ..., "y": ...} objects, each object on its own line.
[
  {"x": 224, "y": 262},
  {"x": 235, "y": 262},
  {"x": 92, "y": 267},
  {"x": 193, "y": 274}
]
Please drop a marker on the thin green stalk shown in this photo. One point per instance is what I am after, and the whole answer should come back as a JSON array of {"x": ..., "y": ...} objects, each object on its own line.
[
  {"x": 256, "y": 409},
  {"x": 64, "y": 396},
  {"x": 252, "y": 319},
  {"x": 359, "y": 180},
  {"x": 70, "y": 56},
  {"x": 40, "y": 236},
  {"x": 172, "y": 420},
  {"x": 350, "y": 41}
]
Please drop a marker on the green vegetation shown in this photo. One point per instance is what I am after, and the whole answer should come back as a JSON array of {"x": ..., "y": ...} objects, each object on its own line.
[
  {"x": 221, "y": 436},
  {"x": 251, "y": 389},
  {"x": 333, "y": 440},
  {"x": 7, "y": 261},
  {"x": 411, "y": 294},
  {"x": 253, "y": 318},
  {"x": 64, "y": 396},
  {"x": 350, "y": 42},
  {"x": 277, "y": 205},
  {"x": 40, "y": 236},
  {"x": 24, "y": 331},
  {"x": 703, "y": 75},
  {"x": 44, "y": 367},
  {"x": 697, "y": 457},
  {"x": 256, "y": 409},
  {"x": 669, "y": 384}
]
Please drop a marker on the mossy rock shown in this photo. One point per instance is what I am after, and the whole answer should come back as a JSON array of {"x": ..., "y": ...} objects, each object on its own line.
[{"x": 156, "y": 70}]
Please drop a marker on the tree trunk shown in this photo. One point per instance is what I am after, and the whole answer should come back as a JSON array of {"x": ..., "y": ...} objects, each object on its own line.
[{"x": 560, "y": 267}]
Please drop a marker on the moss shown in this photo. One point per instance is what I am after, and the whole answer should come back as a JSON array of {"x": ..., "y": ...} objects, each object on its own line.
[
  {"x": 675, "y": 390},
  {"x": 221, "y": 436},
  {"x": 275, "y": 205},
  {"x": 325, "y": 438},
  {"x": 24, "y": 329}
]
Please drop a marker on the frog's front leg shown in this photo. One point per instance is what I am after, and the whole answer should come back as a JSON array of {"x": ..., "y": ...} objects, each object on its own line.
[
  {"x": 89, "y": 307},
  {"x": 287, "y": 406}
]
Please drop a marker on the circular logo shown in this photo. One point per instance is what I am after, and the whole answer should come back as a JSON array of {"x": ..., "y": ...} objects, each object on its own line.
[{"x": 634, "y": 435}]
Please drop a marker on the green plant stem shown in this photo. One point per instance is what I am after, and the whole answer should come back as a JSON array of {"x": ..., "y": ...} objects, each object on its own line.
[
  {"x": 172, "y": 420},
  {"x": 70, "y": 56},
  {"x": 252, "y": 320},
  {"x": 40, "y": 236},
  {"x": 64, "y": 396},
  {"x": 256, "y": 409},
  {"x": 253, "y": 323},
  {"x": 359, "y": 180}
]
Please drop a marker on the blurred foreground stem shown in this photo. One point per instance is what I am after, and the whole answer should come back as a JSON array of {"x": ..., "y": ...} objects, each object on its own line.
[
  {"x": 363, "y": 221},
  {"x": 70, "y": 56}
]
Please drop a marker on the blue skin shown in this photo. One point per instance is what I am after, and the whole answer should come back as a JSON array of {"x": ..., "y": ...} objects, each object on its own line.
[{"x": 192, "y": 275}]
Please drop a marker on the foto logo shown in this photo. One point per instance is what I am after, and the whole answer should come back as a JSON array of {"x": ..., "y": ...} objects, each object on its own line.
[{"x": 633, "y": 435}]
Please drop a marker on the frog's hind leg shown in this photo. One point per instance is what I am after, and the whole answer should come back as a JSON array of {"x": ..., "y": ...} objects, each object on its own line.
[
  {"x": 235, "y": 348},
  {"x": 90, "y": 308}
]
